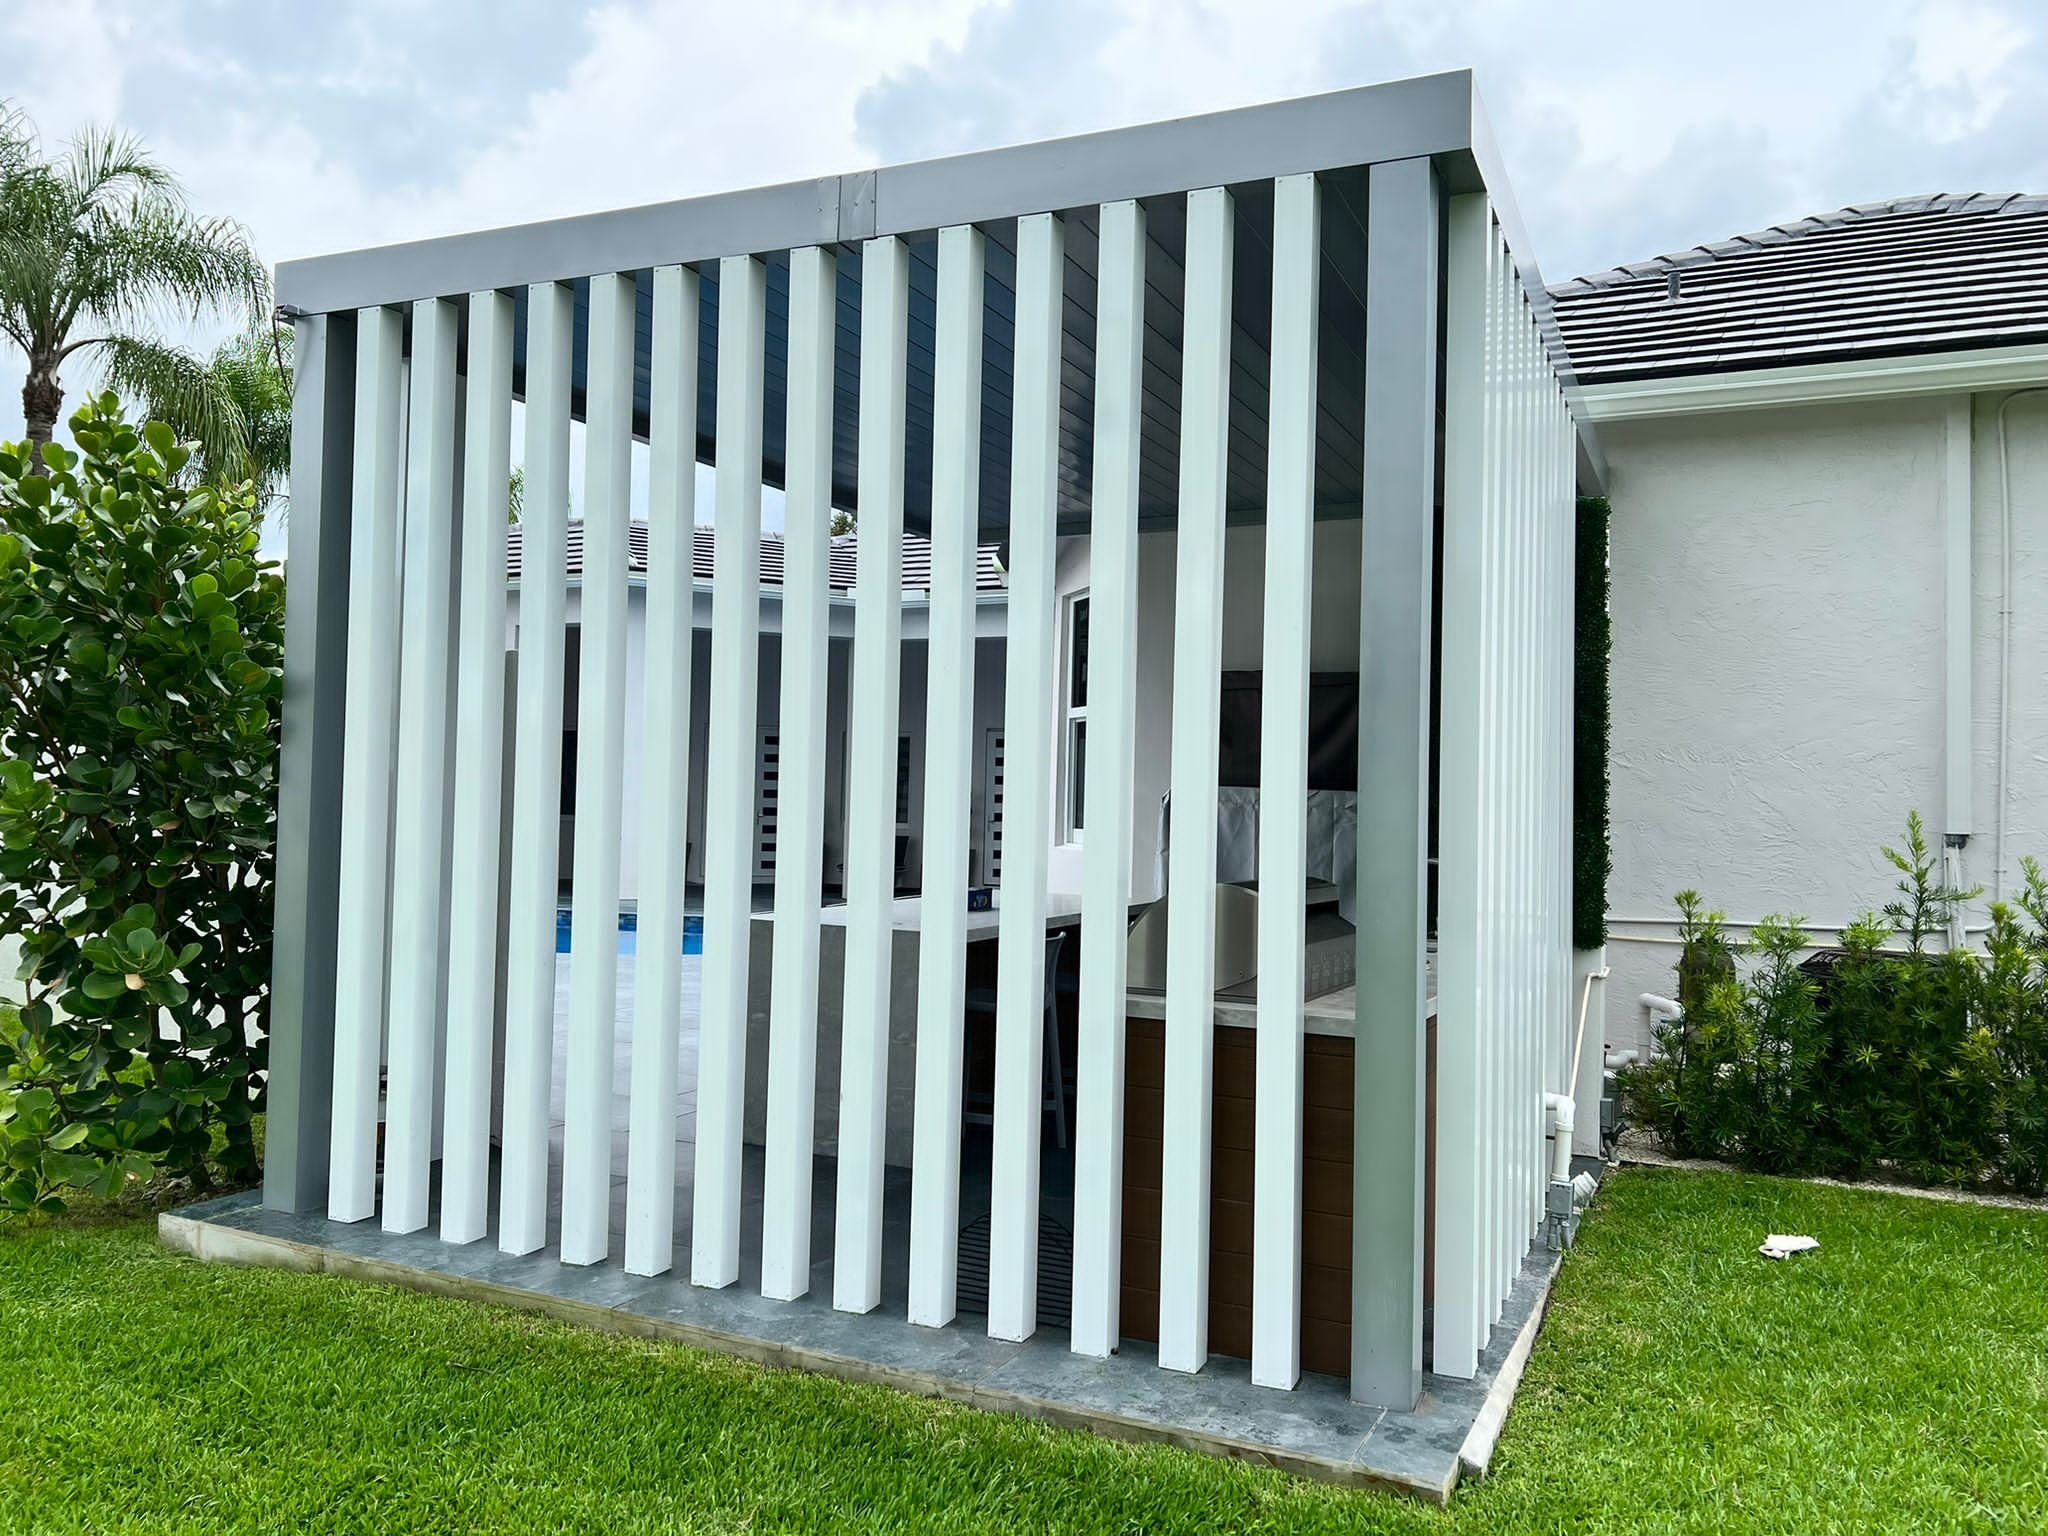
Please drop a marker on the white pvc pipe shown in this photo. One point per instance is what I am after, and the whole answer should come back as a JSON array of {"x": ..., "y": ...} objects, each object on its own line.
[
  {"x": 2004, "y": 642},
  {"x": 1563, "y": 1118},
  {"x": 1579, "y": 1037}
]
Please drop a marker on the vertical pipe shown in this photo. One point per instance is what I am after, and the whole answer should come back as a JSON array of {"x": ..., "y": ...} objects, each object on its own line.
[
  {"x": 600, "y": 754},
  {"x": 948, "y": 780},
  {"x": 479, "y": 759},
  {"x": 1027, "y": 834},
  {"x": 871, "y": 777},
  {"x": 362, "y": 912},
  {"x": 537, "y": 775},
  {"x": 302, "y": 1096},
  {"x": 1191, "y": 872},
  {"x": 1958, "y": 816},
  {"x": 418, "y": 897},
  {"x": 1390, "y": 1051},
  {"x": 1283, "y": 783},
  {"x": 729, "y": 773},
  {"x": 1112, "y": 716},
  {"x": 800, "y": 804},
  {"x": 665, "y": 784},
  {"x": 1460, "y": 1109}
]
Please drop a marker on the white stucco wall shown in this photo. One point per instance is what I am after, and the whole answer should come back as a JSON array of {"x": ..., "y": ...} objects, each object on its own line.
[{"x": 1779, "y": 662}]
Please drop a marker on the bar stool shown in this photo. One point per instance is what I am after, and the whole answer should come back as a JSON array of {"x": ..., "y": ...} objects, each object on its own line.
[{"x": 979, "y": 1108}]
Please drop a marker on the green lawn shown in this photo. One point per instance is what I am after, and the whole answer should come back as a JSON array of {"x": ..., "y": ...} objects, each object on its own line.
[{"x": 1897, "y": 1381}]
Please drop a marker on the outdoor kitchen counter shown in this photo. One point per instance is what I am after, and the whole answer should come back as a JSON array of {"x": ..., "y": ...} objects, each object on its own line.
[
  {"x": 1330, "y": 1023},
  {"x": 1333, "y": 1013}
]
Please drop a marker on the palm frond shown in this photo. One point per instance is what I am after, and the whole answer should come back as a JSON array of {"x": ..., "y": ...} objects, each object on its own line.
[
  {"x": 133, "y": 266},
  {"x": 177, "y": 389},
  {"x": 99, "y": 242},
  {"x": 18, "y": 143},
  {"x": 104, "y": 161}
]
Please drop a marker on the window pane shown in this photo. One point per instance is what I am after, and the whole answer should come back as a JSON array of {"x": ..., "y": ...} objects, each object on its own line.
[
  {"x": 1077, "y": 772},
  {"x": 1077, "y": 657}
]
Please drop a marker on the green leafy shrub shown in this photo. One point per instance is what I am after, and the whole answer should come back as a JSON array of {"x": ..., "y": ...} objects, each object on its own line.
[
  {"x": 1885, "y": 1052},
  {"x": 141, "y": 663}
]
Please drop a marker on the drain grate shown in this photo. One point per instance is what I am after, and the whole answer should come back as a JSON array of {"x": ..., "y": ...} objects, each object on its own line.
[{"x": 1055, "y": 1271}]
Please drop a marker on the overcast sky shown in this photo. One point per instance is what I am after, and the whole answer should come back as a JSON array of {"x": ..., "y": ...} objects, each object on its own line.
[{"x": 1627, "y": 129}]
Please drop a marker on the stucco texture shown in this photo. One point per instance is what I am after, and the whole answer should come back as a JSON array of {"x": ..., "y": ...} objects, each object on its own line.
[{"x": 1778, "y": 671}]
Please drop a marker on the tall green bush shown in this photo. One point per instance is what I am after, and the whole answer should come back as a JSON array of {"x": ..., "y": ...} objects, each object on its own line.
[
  {"x": 1592, "y": 851},
  {"x": 1885, "y": 1052},
  {"x": 141, "y": 658}
]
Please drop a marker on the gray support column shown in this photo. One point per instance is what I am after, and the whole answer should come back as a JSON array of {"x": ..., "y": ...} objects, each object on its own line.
[
  {"x": 1393, "y": 783},
  {"x": 299, "y": 1096}
]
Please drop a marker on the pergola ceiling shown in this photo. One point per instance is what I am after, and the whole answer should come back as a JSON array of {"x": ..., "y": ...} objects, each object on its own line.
[
  {"x": 1336, "y": 136},
  {"x": 1341, "y": 366}
]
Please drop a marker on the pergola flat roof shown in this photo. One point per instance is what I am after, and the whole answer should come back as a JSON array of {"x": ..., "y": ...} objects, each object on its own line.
[{"x": 1337, "y": 135}]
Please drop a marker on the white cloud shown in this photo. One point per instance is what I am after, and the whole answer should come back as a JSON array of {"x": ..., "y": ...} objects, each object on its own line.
[
  {"x": 654, "y": 101},
  {"x": 1964, "y": 59},
  {"x": 1628, "y": 129}
]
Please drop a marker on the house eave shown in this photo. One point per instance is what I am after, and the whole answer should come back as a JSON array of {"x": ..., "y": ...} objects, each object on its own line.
[{"x": 1931, "y": 373}]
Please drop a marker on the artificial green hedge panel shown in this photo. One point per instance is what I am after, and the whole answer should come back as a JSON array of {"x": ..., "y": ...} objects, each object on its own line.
[{"x": 1592, "y": 854}]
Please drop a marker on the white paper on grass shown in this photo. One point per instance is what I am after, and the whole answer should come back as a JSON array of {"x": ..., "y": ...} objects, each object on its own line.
[{"x": 1780, "y": 1245}]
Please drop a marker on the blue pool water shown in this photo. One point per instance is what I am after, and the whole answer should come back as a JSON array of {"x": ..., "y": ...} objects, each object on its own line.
[{"x": 629, "y": 933}]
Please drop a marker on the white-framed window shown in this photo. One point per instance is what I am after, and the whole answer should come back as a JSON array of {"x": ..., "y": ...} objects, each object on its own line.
[{"x": 1074, "y": 718}]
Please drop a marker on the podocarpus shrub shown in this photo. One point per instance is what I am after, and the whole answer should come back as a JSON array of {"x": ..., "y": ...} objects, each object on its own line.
[
  {"x": 1887, "y": 1052},
  {"x": 141, "y": 664}
]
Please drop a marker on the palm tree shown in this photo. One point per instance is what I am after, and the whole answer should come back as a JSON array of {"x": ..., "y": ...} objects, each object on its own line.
[
  {"x": 252, "y": 373},
  {"x": 93, "y": 246}
]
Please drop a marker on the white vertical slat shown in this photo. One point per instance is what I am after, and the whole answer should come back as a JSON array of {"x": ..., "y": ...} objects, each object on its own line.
[
  {"x": 1537, "y": 742},
  {"x": 1112, "y": 727},
  {"x": 1283, "y": 784},
  {"x": 1563, "y": 622},
  {"x": 728, "y": 776},
  {"x": 1537, "y": 472},
  {"x": 1460, "y": 1215},
  {"x": 479, "y": 770},
  {"x": 1514, "y": 775},
  {"x": 948, "y": 780},
  {"x": 1523, "y": 570},
  {"x": 871, "y": 776},
  {"x": 1555, "y": 715},
  {"x": 1512, "y": 771},
  {"x": 665, "y": 772},
  {"x": 537, "y": 770},
  {"x": 1191, "y": 837},
  {"x": 371, "y": 728},
  {"x": 418, "y": 897},
  {"x": 1027, "y": 832},
  {"x": 1494, "y": 754},
  {"x": 800, "y": 840},
  {"x": 1486, "y": 855},
  {"x": 600, "y": 792}
]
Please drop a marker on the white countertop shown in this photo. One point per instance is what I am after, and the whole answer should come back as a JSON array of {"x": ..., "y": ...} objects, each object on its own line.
[
  {"x": 1334, "y": 1013},
  {"x": 906, "y": 914}
]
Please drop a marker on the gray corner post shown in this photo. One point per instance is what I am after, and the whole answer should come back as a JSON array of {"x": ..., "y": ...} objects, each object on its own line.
[
  {"x": 299, "y": 1095},
  {"x": 1402, "y": 234}
]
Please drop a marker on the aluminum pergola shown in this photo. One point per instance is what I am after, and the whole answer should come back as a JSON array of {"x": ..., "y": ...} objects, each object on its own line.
[{"x": 1223, "y": 318}]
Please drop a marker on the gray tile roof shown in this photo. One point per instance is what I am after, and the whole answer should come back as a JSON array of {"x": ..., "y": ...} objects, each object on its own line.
[
  {"x": 1941, "y": 272},
  {"x": 917, "y": 558}
]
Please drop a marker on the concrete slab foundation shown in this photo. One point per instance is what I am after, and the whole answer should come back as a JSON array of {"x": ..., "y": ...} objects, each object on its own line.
[{"x": 1315, "y": 1431}]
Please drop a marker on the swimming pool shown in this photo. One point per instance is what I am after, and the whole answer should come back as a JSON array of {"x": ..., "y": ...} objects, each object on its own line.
[{"x": 629, "y": 933}]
